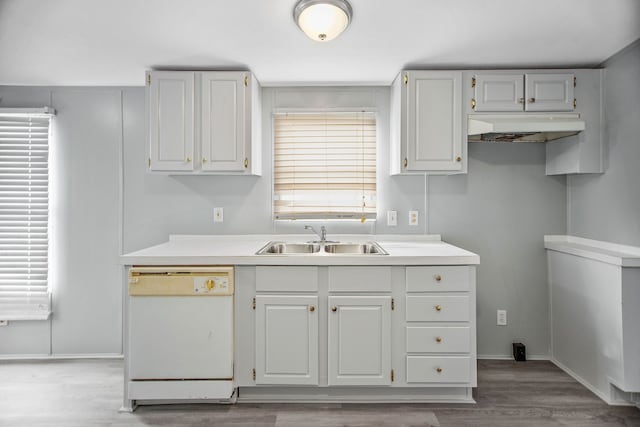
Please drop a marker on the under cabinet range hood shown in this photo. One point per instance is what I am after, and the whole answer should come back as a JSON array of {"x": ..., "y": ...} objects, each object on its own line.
[{"x": 522, "y": 127}]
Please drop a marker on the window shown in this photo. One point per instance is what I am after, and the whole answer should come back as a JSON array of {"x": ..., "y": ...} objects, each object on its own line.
[
  {"x": 324, "y": 165},
  {"x": 24, "y": 216}
]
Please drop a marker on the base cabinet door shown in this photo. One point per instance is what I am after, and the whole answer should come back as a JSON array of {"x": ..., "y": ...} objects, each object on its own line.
[
  {"x": 286, "y": 339},
  {"x": 359, "y": 340}
]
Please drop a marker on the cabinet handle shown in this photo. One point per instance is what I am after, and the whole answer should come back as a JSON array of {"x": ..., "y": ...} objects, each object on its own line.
[
  {"x": 531, "y": 100},
  {"x": 439, "y": 370},
  {"x": 334, "y": 308},
  {"x": 188, "y": 160},
  {"x": 438, "y": 308},
  {"x": 438, "y": 339},
  {"x": 312, "y": 309},
  {"x": 437, "y": 277}
]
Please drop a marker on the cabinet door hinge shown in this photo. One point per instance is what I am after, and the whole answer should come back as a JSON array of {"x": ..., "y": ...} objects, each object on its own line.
[
  {"x": 473, "y": 82},
  {"x": 393, "y": 376},
  {"x": 246, "y": 80},
  {"x": 246, "y": 162},
  {"x": 149, "y": 79},
  {"x": 253, "y": 373},
  {"x": 253, "y": 304},
  {"x": 473, "y": 103},
  {"x": 393, "y": 304},
  {"x": 149, "y": 162},
  {"x": 405, "y": 162},
  {"x": 406, "y": 79},
  {"x": 575, "y": 103},
  {"x": 575, "y": 80}
]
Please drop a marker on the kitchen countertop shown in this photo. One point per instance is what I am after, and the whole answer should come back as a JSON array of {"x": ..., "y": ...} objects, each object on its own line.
[
  {"x": 241, "y": 250},
  {"x": 611, "y": 253}
]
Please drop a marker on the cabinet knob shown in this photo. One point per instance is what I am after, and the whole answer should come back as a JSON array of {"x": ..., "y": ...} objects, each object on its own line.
[
  {"x": 211, "y": 284},
  {"x": 312, "y": 309},
  {"x": 438, "y": 308},
  {"x": 334, "y": 308},
  {"x": 458, "y": 159},
  {"x": 188, "y": 160},
  {"x": 438, "y": 339},
  {"x": 437, "y": 277},
  {"x": 531, "y": 100},
  {"x": 439, "y": 370}
]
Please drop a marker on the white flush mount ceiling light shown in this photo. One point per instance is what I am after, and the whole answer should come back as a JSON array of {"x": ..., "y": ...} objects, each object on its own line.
[{"x": 322, "y": 20}]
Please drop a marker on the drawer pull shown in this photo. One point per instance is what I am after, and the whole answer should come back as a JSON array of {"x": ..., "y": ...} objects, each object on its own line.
[
  {"x": 439, "y": 370},
  {"x": 437, "y": 277},
  {"x": 438, "y": 339},
  {"x": 438, "y": 308}
]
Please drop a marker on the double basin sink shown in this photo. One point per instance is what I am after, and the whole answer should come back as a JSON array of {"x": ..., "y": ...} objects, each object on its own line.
[{"x": 310, "y": 248}]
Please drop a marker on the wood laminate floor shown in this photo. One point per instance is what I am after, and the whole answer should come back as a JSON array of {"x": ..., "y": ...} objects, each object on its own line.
[{"x": 70, "y": 393}]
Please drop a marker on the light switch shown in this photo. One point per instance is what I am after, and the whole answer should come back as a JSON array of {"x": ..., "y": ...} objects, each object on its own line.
[{"x": 218, "y": 214}]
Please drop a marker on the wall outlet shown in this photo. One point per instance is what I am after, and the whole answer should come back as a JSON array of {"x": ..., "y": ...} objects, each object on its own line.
[
  {"x": 218, "y": 214},
  {"x": 392, "y": 218},
  {"x": 502, "y": 318},
  {"x": 4, "y": 322},
  {"x": 413, "y": 217}
]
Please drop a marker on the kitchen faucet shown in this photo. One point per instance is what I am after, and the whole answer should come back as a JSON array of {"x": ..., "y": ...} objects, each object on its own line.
[{"x": 322, "y": 234}]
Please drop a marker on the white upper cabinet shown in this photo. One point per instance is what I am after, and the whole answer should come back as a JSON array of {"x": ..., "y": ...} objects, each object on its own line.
[
  {"x": 204, "y": 122},
  {"x": 523, "y": 92},
  {"x": 171, "y": 119},
  {"x": 426, "y": 123}
]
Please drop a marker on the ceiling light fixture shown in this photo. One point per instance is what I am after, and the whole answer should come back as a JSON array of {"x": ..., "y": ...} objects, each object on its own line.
[{"x": 322, "y": 20}]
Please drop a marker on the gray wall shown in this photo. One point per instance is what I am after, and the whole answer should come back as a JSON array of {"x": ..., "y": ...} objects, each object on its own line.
[
  {"x": 85, "y": 276},
  {"x": 607, "y": 207},
  {"x": 500, "y": 210}
]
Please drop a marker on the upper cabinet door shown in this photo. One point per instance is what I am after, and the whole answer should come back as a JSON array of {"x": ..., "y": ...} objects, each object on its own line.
[
  {"x": 434, "y": 141},
  {"x": 549, "y": 92},
  {"x": 171, "y": 120},
  {"x": 499, "y": 92},
  {"x": 222, "y": 120}
]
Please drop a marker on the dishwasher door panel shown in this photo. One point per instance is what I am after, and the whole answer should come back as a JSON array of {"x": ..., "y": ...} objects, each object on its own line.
[{"x": 181, "y": 337}]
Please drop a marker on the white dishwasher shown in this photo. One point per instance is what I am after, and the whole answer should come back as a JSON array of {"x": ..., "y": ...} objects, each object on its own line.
[{"x": 180, "y": 333}]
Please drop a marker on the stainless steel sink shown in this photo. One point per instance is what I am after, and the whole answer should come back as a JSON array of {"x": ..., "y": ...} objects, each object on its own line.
[
  {"x": 328, "y": 248},
  {"x": 282, "y": 248},
  {"x": 368, "y": 248}
]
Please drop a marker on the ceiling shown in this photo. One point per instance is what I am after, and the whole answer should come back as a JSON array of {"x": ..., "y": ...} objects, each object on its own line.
[{"x": 112, "y": 42}]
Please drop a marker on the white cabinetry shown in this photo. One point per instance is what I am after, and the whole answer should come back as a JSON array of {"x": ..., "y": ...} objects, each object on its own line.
[
  {"x": 523, "y": 92},
  {"x": 286, "y": 339},
  {"x": 359, "y": 340},
  {"x": 204, "y": 122},
  {"x": 426, "y": 123}
]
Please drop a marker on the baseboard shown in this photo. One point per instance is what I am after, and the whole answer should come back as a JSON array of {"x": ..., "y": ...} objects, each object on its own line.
[
  {"x": 590, "y": 387},
  {"x": 510, "y": 357},
  {"x": 60, "y": 356}
]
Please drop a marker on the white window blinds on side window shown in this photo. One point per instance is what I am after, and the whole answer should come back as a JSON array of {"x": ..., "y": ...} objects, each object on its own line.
[
  {"x": 325, "y": 165},
  {"x": 24, "y": 214}
]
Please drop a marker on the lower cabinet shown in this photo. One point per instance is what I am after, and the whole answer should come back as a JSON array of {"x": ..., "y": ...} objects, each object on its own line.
[
  {"x": 359, "y": 340},
  {"x": 286, "y": 339}
]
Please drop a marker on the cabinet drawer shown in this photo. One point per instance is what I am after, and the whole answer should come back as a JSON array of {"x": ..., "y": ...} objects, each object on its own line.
[
  {"x": 292, "y": 279},
  {"x": 437, "y": 308},
  {"x": 437, "y": 279},
  {"x": 356, "y": 279},
  {"x": 427, "y": 369},
  {"x": 437, "y": 340}
]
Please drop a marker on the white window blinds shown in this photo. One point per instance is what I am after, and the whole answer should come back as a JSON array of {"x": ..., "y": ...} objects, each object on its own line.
[
  {"x": 324, "y": 165},
  {"x": 24, "y": 214}
]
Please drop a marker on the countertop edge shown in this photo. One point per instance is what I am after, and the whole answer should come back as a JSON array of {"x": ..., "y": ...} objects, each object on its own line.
[{"x": 610, "y": 253}]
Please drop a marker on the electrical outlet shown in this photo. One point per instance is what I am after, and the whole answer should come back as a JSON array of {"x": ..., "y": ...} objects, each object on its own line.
[
  {"x": 392, "y": 218},
  {"x": 502, "y": 318},
  {"x": 413, "y": 217},
  {"x": 218, "y": 214},
  {"x": 4, "y": 322}
]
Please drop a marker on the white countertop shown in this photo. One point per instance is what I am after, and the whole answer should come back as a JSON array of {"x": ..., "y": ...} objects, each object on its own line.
[
  {"x": 241, "y": 250},
  {"x": 611, "y": 253}
]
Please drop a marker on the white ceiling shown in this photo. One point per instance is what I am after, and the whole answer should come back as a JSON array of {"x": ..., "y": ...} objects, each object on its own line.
[{"x": 112, "y": 42}]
